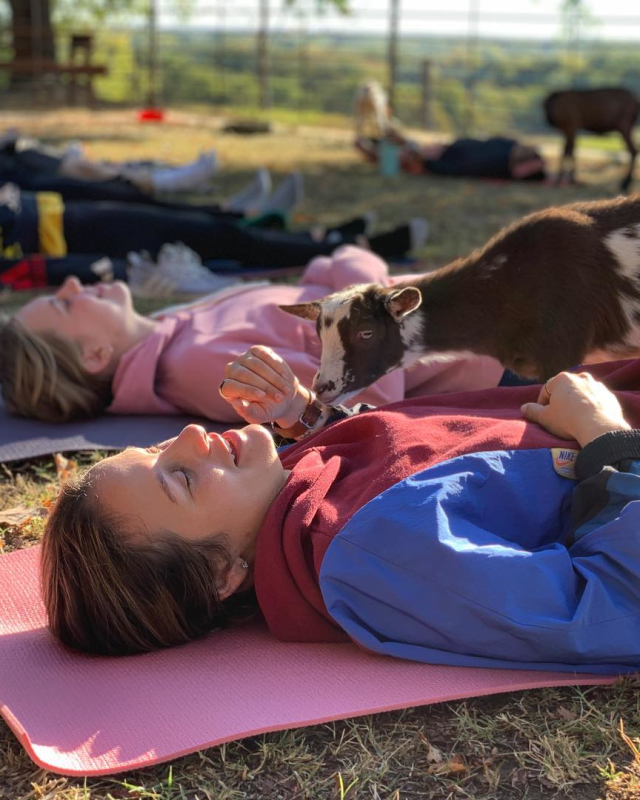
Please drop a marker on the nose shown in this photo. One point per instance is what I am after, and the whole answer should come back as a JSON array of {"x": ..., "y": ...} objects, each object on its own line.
[
  {"x": 192, "y": 441},
  {"x": 70, "y": 287},
  {"x": 320, "y": 387}
]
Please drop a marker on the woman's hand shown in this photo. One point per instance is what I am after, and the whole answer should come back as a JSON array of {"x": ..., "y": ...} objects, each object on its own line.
[
  {"x": 261, "y": 387},
  {"x": 576, "y": 406}
]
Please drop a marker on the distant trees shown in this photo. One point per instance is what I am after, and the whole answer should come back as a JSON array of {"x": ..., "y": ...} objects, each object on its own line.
[
  {"x": 32, "y": 26},
  {"x": 262, "y": 40}
]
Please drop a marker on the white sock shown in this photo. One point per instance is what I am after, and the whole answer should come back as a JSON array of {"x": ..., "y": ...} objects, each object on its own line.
[
  {"x": 253, "y": 195},
  {"x": 190, "y": 176},
  {"x": 418, "y": 231},
  {"x": 286, "y": 196}
]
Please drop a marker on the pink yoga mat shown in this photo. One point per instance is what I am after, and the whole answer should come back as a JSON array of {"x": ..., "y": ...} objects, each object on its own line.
[{"x": 94, "y": 716}]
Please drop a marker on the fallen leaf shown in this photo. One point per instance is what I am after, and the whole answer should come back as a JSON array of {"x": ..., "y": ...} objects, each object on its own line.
[
  {"x": 434, "y": 756},
  {"x": 16, "y": 516},
  {"x": 519, "y": 777},
  {"x": 451, "y": 767},
  {"x": 64, "y": 467},
  {"x": 567, "y": 714}
]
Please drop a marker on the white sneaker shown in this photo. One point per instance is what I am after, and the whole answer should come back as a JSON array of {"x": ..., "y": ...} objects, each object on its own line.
[
  {"x": 286, "y": 196},
  {"x": 74, "y": 149},
  {"x": 145, "y": 279},
  {"x": 179, "y": 270},
  {"x": 252, "y": 196},
  {"x": 191, "y": 177}
]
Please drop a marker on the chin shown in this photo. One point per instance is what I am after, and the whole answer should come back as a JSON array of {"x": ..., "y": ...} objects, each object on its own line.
[
  {"x": 120, "y": 292},
  {"x": 263, "y": 440},
  {"x": 261, "y": 433}
]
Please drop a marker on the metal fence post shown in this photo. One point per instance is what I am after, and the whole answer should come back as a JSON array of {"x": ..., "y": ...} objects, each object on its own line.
[
  {"x": 427, "y": 89},
  {"x": 392, "y": 58},
  {"x": 152, "y": 65},
  {"x": 262, "y": 62}
]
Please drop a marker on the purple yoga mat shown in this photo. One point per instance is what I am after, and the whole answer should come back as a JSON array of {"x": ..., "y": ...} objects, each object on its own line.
[
  {"x": 81, "y": 715},
  {"x": 28, "y": 438}
]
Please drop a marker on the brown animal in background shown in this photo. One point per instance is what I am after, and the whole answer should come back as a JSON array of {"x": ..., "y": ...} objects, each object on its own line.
[
  {"x": 555, "y": 290},
  {"x": 595, "y": 110}
]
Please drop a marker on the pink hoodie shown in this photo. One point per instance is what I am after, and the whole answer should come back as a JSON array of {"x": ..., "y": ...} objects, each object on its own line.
[{"x": 177, "y": 369}]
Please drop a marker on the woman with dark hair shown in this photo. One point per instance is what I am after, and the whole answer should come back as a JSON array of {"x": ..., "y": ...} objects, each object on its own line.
[
  {"x": 498, "y": 157},
  {"x": 495, "y": 529}
]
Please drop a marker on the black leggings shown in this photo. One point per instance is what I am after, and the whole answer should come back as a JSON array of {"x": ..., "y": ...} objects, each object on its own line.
[{"x": 115, "y": 229}]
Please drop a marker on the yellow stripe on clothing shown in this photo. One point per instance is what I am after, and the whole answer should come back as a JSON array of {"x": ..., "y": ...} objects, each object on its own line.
[{"x": 50, "y": 226}]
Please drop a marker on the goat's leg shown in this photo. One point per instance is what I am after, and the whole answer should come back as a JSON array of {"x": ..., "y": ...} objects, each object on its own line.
[
  {"x": 570, "y": 152},
  {"x": 561, "y": 165},
  {"x": 626, "y": 134},
  {"x": 567, "y": 155}
]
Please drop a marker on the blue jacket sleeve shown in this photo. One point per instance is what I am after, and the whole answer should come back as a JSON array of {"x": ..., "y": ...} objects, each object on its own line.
[{"x": 481, "y": 561}]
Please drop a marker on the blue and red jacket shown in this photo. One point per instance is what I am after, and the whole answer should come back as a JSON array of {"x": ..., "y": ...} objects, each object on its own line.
[{"x": 448, "y": 530}]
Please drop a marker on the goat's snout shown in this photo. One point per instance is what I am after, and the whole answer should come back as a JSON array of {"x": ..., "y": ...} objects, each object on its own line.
[{"x": 323, "y": 388}]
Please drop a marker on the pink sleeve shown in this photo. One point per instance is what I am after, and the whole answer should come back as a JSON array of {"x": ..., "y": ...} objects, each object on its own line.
[
  {"x": 466, "y": 374},
  {"x": 348, "y": 265},
  {"x": 191, "y": 381}
]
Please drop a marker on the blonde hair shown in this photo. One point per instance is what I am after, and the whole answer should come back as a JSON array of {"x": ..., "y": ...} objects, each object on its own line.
[
  {"x": 42, "y": 376},
  {"x": 112, "y": 590}
]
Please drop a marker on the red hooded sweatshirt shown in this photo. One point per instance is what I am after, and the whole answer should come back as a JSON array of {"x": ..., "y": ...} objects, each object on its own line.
[{"x": 340, "y": 468}]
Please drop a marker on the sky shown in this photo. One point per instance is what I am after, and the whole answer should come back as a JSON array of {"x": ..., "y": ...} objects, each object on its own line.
[{"x": 511, "y": 19}]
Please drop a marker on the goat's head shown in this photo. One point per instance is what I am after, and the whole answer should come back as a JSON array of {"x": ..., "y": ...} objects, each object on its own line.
[{"x": 364, "y": 335}]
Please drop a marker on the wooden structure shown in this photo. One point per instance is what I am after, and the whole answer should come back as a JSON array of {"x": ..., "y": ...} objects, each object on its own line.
[
  {"x": 79, "y": 75},
  {"x": 76, "y": 74}
]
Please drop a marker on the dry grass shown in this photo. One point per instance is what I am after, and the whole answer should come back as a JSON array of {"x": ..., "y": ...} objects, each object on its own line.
[{"x": 556, "y": 743}]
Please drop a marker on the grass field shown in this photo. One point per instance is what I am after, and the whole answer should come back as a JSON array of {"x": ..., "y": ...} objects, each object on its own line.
[{"x": 557, "y": 743}]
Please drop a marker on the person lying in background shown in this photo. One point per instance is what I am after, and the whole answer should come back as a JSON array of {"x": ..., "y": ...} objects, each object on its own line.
[
  {"x": 35, "y": 167},
  {"x": 177, "y": 269},
  {"x": 466, "y": 530},
  {"x": 42, "y": 223},
  {"x": 497, "y": 157},
  {"x": 85, "y": 350},
  {"x": 69, "y": 173}
]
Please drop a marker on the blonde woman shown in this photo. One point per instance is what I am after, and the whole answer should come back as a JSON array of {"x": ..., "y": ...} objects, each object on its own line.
[
  {"x": 85, "y": 350},
  {"x": 464, "y": 530}
]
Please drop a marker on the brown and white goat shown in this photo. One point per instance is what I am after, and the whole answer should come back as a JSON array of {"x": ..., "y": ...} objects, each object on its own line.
[
  {"x": 555, "y": 290},
  {"x": 595, "y": 110}
]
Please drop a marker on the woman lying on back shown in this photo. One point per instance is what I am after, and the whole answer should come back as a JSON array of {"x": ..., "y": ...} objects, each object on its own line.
[
  {"x": 85, "y": 350},
  {"x": 447, "y": 530}
]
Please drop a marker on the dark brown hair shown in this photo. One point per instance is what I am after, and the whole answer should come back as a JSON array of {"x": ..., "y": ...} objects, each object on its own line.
[{"x": 113, "y": 590}]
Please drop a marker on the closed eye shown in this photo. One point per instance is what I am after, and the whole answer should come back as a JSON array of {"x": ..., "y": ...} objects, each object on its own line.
[
  {"x": 364, "y": 334},
  {"x": 188, "y": 477}
]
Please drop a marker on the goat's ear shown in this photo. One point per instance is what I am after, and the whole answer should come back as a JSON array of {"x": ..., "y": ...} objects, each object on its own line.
[
  {"x": 305, "y": 310},
  {"x": 403, "y": 302}
]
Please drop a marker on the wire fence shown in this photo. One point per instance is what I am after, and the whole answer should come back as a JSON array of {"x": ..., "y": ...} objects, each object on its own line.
[{"x": 467, "y": 68}]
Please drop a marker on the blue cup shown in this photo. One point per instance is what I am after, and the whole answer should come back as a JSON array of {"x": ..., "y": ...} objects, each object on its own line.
[{"x": 389, "y": 159}]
